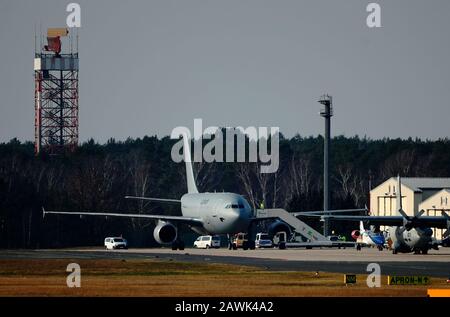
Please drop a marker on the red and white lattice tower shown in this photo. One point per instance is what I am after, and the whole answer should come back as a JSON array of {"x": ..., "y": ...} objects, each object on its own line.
[{"x": 56, "y": 96}]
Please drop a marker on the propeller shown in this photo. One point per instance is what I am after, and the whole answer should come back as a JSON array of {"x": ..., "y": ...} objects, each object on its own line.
[
  {"x": 447, "y": 232},
  {"x": 408, "y": 221}
]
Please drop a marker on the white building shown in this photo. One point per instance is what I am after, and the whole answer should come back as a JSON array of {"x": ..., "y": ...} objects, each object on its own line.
[{"x": 434, "y": 205}]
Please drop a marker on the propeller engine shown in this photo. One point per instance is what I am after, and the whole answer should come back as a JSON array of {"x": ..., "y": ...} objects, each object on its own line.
[{"x": 356, "y": 234}]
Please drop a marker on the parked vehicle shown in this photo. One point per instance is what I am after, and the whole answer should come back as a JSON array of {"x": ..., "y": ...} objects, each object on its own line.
[
  {"x": 240, "y": 240},
  {"x": 206, "y": 242},
  {"x": 263, "y": 240},
  {"x": 333, "y": 238},
  {"x": 112, "y": 243},
  {"x": 279, "y": 240}
]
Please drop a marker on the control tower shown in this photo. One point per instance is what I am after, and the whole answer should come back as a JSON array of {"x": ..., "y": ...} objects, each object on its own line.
[{"x": 56, "y": 95}]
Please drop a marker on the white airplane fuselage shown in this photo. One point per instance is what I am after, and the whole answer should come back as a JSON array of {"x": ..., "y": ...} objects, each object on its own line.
[
  {"x": 371, "y": 239},
  {"x": 411, "y": 240},
  {"x": 221, "y": 213}
]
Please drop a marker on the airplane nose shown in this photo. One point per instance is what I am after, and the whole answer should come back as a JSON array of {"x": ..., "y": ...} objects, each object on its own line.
[
  {"x": 244, "y": 215},
  {"x": 240, "y": 217}
]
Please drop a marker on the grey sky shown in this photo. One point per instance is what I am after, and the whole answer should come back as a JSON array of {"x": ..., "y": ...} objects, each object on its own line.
[{"x": 148, "y": 66}]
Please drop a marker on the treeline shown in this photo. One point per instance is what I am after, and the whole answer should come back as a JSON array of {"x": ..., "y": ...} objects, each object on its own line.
[{"x": 97, "y": 177}]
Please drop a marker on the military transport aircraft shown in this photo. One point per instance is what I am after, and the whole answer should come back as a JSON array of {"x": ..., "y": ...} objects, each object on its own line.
[{"x": 408, "y": 234}]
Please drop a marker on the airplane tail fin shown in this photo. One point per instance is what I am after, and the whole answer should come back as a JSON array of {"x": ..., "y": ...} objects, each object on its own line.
[
  {"x": 361, "y": 226},
  {"x": 399, "y": 194},
  {"x": 398, "y": 199},
  {"x": 192, "y": 187}
]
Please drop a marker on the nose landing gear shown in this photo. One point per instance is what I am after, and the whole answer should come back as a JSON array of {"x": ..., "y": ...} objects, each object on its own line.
[{"x": 177, "y": 244}]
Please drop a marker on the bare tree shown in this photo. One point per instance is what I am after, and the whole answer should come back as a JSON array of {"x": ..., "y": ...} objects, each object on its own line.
[
  {"x": 352, "y": 183},
  {"x": 401, "y": 162},
  {"x": 263, "y": 182},
  {"x": 207, "y": 175},
  {"x": 301, "y": 174},
  {"x": 298, "y": 180},
  {"x": 244, "y": 174},
  {"x": 139, "y": 172},
  {"x": 345, "y": 179}
]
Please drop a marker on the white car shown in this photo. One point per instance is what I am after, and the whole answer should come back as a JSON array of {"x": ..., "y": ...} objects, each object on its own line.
[
  {"x": 115, "y": 243},
  {"x": 263, "y": 241},
  {"x": 206, "y": 242}
]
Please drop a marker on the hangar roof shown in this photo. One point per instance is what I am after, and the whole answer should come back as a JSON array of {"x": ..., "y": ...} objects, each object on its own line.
[
  {"x": 418, "y": 184},
  {"x": 445, "y": 190}
]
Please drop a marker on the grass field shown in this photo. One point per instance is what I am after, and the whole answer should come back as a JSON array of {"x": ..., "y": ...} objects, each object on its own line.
[{"x": 169, "y": 278}]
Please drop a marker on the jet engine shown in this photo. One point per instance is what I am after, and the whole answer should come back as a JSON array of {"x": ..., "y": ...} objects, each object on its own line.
[
  {"x": 165, "y": 233},
  {"x": 279, "y": 226},
  {"x": 356, "y": 234}
]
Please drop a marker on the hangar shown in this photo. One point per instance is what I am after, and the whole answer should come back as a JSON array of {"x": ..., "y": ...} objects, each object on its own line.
[
  {"x": 428, "y": 193},
  {"x": 434, "y": 205}
]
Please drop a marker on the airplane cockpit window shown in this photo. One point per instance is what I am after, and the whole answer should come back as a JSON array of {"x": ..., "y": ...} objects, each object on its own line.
[{"x": 235, "y": 206}]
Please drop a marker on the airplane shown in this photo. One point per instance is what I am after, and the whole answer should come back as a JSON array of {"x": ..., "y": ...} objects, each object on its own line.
[
  {"x": 368, "y": 238},
  {"x": 204, "y": 213},
  {"x": 407, "y": 234}
]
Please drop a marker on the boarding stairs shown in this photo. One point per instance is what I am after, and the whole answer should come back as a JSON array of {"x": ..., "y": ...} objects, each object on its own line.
[{"x": 299, "y": 226}]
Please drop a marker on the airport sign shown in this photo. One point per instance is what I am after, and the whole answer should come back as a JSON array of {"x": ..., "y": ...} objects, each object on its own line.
[
  {"x": 350, "y": 279},
  {"x": 408, "y": 280}
]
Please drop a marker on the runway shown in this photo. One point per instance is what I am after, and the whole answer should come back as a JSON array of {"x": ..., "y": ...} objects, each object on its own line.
[{"x": 436, "y": 263}]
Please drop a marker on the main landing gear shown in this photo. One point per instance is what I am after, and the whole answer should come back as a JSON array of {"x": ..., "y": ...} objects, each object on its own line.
[
  {"x": 178, "y": 245},
  {"x": 423, "y": 251}
]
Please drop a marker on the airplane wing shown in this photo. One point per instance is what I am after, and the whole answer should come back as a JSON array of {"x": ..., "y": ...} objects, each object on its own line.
[
  {"x": 187, "y": 220},
  {"x": 427, "y": 221},
  {"x": 323, "y": 212},
  {"x": 161, "y": 200}
]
